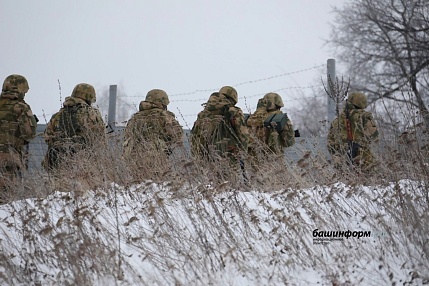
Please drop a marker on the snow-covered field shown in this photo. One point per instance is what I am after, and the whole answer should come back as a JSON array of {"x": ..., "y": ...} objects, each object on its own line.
[{"x": 159, "y": 234}]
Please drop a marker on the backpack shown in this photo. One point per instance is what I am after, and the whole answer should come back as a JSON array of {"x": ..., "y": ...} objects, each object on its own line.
[
  {"x": 276, "y": 121},
  {"x": 267, "y": 127},
  {"x": 69, "y": 126},
  {"x": 215, "y": 129},
  {"x": 9, "y": 126}
]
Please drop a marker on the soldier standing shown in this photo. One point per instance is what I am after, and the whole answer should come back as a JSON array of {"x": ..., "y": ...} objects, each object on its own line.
[
  {"x": 17, "y": 128},
  {"x": 77, "y": 126},
  {"x": 220, "y": 128},
  {"x": 270, "y": 125},
  {"x": 351, "y": 134},
  {"x": 152, "y": 134}
]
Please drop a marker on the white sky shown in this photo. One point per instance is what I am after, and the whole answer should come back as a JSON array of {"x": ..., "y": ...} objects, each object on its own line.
[{"x": 178, "y": 46}]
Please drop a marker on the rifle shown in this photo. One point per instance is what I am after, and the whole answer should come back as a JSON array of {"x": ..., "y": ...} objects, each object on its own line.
[{"x": 353, "y": 149}]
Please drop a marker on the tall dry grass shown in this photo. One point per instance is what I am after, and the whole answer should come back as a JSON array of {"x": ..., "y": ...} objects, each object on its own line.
[{"x": 184, "y": 220}]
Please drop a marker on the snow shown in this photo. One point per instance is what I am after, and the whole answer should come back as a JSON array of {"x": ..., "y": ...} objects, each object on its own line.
[{"x": 149, "y": 234}]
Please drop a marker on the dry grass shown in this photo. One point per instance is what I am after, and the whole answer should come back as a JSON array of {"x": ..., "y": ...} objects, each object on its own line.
[{"x": 181, "y": 220}]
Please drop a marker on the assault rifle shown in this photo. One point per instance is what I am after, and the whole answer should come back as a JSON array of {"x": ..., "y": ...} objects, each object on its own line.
[{"x": 353, "y": 147}]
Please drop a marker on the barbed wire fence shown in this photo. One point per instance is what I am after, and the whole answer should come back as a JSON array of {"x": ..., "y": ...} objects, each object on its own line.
[
  {"x": 38, "y": 147},
  {"x": 179, "y": 100}
]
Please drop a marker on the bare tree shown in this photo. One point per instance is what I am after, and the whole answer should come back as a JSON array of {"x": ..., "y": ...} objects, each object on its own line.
[
  {"x": 310, "y": 116},
  {"x": 384, "y": 45}
]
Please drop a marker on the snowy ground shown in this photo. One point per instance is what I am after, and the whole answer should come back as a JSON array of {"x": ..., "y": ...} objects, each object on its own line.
[{"x": 154, "y": 234}]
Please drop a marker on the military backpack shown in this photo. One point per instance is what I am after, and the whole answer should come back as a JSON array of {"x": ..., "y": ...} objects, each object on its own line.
[
  {"x": 215, "y": 128},
  {"x": 267, "y": 128},
  {"x": 276, "y": 121},
  {"x": 69, "y": 125}
]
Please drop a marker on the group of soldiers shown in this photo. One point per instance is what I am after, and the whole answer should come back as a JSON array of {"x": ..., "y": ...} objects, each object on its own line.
[{"x": 221, "y": 129}]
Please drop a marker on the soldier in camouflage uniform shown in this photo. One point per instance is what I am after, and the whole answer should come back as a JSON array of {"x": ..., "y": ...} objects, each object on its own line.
[
  {"x": 153, "y": 132},
  {"x": 363, "y": 130},
  {"x": 276, "y": 141},
  {"x": 77, "y": 126},
  {"x": 257, "y": 132},
  {"x": 17, "y": 128},
  {"x": 220, "y": 128}
]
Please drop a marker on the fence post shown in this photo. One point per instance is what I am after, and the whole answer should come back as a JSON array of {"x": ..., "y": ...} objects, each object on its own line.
[
  {"x": 331, "y": 77},
  {"x": 111, "y": 116}
]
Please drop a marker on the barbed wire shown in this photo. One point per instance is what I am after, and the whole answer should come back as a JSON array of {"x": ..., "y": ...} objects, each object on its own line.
[
  {"x": 280, "y": 75},
  {"x": 254, "y": 107},
  {"x": 250, "y": 96},
  {"x": 203, "y": 100},
  {"x": 235, "y": 85}
]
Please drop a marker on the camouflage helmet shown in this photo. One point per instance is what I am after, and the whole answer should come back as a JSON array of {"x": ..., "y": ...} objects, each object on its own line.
[
  {"x": 157, "y": 96},
  {"x": 16, "y": 84},
  {"x": 262, "y": 104},
  {"x": 230, "y": 93},
  {"x": 84, "y": 91},
  {"x": 358, "y": 99},
  {"x": 274, "y": 100},
  {"x": 214, "y": 97}
]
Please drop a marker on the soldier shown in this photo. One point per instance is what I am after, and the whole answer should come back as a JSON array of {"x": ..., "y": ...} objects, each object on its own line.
[
  {"x": 257, "y": 132},
  {"x": 220, "y": 128},
  {"x": 270, "y": 125},
  {"x": 17, "y": 128},
  {"x": 152, "y": 133},
  {"x": 199, "y": 138},
  {"x": 77, "y": 126},
  {"x": 351, "y": 135}
]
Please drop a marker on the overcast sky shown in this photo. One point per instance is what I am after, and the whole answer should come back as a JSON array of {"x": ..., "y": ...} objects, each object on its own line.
[{"x": 188, "y": 48}]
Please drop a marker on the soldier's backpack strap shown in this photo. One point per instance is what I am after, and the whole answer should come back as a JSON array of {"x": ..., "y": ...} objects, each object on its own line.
[{"x": 246, "y": 117}]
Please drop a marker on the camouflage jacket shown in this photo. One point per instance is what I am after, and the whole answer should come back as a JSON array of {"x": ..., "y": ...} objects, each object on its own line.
[
  {"x": 17, "y": 123},
  {"x": 363, "y": 127},
  {"x": 153, "y": 124},
  {"x": 76, "y": 122},
  {"x": 274, "y": 140},
  {"x": 255, "y": 123},
  {"x": 221, "y": 125}
]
